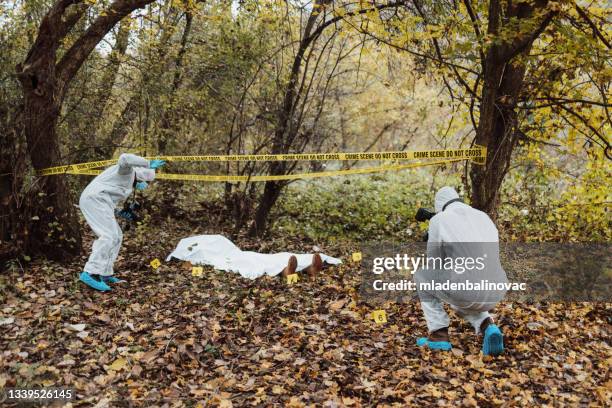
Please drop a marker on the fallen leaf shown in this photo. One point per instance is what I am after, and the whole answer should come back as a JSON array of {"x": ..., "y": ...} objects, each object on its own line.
[
  {"x": 104, "y": 318},
  {"x": 136, "y": 371},
  {"x": 225, "y": 403},
  {"x": 118, "y": 364},
  {"x": 82, "y": 334},
  {"x": 337, "y": 305},
  {"x": 148, "y": 356},
  {"x": 77, "y": 327}
]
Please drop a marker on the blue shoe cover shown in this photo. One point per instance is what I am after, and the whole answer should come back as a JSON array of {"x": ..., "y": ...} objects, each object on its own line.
[
  {"x": 493, "y": 342},
  {"x": 111, "y": 279},
  {"x": 93, "y": 283},
  {"x": 434, "y": 345}
]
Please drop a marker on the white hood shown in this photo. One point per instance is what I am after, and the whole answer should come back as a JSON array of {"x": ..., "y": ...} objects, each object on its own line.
[{"x": 443, "y": 196}]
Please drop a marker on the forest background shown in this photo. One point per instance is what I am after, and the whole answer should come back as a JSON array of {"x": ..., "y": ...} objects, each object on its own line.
[{"x": 84, "y": 80}]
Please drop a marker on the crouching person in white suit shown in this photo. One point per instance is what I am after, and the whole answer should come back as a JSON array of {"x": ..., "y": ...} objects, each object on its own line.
[
  {"x": 467, "y": 243},
  {"x": 98, "y": 202}
]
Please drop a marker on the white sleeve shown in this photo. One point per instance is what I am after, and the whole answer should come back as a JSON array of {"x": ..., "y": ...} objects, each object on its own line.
[{"x": 128, "y": 160}]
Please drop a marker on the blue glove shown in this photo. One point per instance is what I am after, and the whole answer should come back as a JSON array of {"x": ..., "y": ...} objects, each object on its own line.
[
  {"x": 128, "y": 215},
  {"x": 141, "y": 185},
  {"x": 155, "y": 164}
]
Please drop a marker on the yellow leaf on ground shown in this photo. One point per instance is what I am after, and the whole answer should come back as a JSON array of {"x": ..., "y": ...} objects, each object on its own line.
[
  {"x": 118, "y": 364},
  {"x": 225, "y": 403}
]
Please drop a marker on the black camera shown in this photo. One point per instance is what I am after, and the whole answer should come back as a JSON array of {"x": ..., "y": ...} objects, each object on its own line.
[{"x": 422, "y": 215}]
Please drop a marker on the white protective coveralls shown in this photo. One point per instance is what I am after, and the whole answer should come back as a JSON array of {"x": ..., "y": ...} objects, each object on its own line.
[
  {"x": 456, "y": 231},
  {"x": 98, "y": 202}
]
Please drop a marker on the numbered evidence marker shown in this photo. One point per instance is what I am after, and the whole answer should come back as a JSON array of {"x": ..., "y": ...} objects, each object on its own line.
[
  {"x": 197, "y": 271},
  {"x": 155, "y": 263},
  {"x": 356, "y": 256},
  {"x": 379, "y": 316},
  {"x": 293, "y": 278}
]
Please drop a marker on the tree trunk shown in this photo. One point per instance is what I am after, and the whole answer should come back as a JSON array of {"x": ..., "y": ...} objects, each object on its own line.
[
  {"x": 503, "y": 76},
  {"x": 271, "y": 193},
  {"x": 38, "y": 215},
  {"x": 496, "y": 130},
  {"x": 53, "y": 229}
]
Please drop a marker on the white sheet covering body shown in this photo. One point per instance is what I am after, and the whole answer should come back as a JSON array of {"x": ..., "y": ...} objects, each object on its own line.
[{"x": 222, "y": 254}]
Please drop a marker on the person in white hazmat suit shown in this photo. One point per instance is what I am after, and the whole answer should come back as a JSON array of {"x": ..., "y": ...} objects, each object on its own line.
[
  {"x": 458, "y": 232},
  {"x": 98, "y": 202}
]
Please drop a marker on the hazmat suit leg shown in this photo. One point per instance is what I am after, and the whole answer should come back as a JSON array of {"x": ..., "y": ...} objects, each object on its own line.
[
  {"x": 474, "y": 317},
  {"x": 115, "y": 251},
  {"x": 431, "y": 304},
  {"x": 434, "y": 313},
  {"x": 437, "y": 318},
  {"x": 100, "y": 215}
]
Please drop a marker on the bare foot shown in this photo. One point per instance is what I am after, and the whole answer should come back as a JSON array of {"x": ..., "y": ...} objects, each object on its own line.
[
  {"x": 315, "y": 267},
  {"x": 291, "y": 266}
]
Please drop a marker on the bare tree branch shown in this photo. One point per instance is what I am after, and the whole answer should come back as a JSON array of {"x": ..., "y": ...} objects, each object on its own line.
[
  {"x": 596, "y": 32},
  {"x": 80, "y": 50},
  {"x": 522, "y": 44}
]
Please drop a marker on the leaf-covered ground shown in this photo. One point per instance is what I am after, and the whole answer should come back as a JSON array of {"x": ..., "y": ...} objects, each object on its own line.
[{"x": 166, "y": 338}]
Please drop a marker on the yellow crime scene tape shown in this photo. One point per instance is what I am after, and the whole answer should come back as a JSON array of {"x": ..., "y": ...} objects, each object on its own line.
[
  {"x": 297, "y": 176},
  {"x": 476, "y": 154}
]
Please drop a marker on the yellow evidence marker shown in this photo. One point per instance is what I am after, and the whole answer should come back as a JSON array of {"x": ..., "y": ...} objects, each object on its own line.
[
  {"x": 197, "y": 271},
  {"x": 293, "y": 278},
  {"x": 155, "y": 263},
  {"x": 379, "y": 316},
  {"x": 356, "y": 256}
]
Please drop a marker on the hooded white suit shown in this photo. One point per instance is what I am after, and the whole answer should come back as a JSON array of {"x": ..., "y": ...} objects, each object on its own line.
[
  {"x": 98, "y": 202},
  {"x": 460, "y": 231}
]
